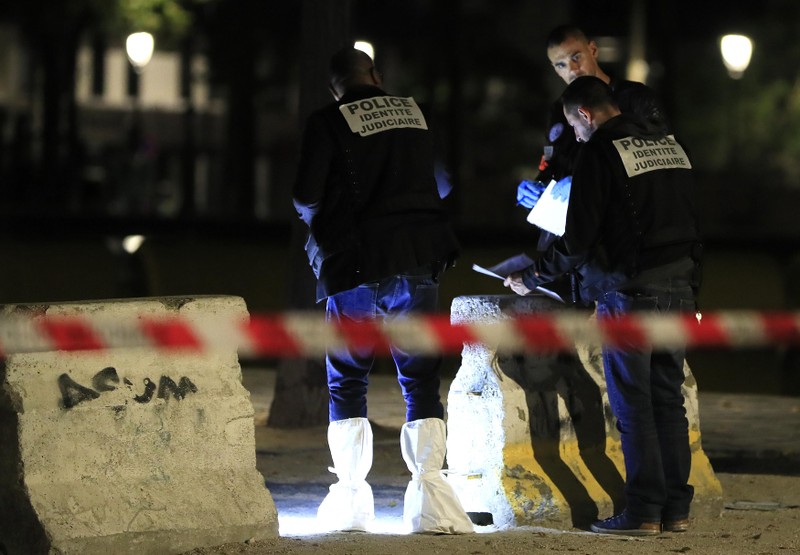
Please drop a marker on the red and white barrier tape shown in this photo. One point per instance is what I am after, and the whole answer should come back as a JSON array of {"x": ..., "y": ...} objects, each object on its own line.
[{"x": 308, "y": 334}]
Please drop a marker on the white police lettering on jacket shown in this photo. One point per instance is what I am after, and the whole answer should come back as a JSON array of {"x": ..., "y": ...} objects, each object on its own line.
[
  {"x": 645, "y": 155},
  {"x": 382, "y": 113}
]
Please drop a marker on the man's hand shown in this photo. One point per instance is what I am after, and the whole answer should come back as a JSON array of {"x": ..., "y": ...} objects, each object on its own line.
[
  {"x": 514, "y": 281},
  {"x": 528, "y": 193},
  {"x": 562, "y": 188}
]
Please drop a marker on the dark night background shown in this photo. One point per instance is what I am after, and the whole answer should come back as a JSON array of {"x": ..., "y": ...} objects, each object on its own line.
[{"x": 197, "y": 153}]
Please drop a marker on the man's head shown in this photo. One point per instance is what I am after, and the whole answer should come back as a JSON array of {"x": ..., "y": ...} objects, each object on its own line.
[
  {"x": 573, "y": 54},
  {"x": 588, "y": 104},
  {"x": 350, "y": 67}
]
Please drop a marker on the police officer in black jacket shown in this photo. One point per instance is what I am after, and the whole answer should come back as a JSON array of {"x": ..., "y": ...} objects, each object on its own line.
[
  {"x": 378, "y": 240},
  {"x": 631, "y": 236},
  {"x": 572, "y": 54}
]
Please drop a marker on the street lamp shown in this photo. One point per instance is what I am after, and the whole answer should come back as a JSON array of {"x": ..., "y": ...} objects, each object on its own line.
[
  {"x": 139, "y": 47},
  {"x": 365, "y": 47},
  {"x": 736, "y": 52}
]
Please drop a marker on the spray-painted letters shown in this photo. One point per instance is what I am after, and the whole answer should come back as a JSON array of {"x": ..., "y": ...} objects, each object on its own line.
[{"x": 107, "y": 379}]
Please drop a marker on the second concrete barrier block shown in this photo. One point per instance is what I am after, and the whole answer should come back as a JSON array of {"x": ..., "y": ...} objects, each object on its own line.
[{"x": 531, "y": 438}]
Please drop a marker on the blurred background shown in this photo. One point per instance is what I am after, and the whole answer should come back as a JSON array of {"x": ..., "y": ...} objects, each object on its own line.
[{"x": 168, "y": 171}]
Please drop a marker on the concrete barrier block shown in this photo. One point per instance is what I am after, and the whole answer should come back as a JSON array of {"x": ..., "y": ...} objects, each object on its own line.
[
  {"x": 129, "y": 450},
  {"x": 531, "y": 438}
]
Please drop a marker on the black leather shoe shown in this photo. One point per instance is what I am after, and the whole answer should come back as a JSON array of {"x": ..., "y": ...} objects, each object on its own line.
[{"x": 623, "y": 525}]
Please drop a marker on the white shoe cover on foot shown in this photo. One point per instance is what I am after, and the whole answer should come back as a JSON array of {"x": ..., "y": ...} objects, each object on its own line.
[
  {"x": 349, "y": 505},
  {"x": 431, "y": 505}
]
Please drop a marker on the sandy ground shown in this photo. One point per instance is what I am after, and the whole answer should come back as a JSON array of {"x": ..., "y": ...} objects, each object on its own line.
[{"x": 761, "y": 515}]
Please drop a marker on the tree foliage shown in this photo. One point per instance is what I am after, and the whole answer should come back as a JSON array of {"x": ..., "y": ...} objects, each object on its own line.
[
  {"x": 155, "y": 16},
  {"x": 746, "y": 126}
]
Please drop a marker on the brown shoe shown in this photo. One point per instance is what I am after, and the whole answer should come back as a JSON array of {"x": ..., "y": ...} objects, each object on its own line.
[{"x": 675, "y": 525}]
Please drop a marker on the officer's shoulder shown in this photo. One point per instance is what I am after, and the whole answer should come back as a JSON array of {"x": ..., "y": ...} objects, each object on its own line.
[{"x": 633, "y": 87}]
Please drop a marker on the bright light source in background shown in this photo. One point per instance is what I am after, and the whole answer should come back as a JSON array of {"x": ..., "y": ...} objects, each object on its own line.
[
  {"x": 131, "y": 243},
  {"x": 736, "y": 52},
  {"x": 365, "y": 47},
  {"x": 139, "y": 47}
]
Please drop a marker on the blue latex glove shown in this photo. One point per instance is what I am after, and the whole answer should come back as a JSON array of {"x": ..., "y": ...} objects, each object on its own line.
[
  {"x": 528, "y": 193},
  {"x": 561, "y": 189},
  {"x": 443, "y": 181}
]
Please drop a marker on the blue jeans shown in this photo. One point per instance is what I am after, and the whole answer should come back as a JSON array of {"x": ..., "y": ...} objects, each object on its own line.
[
  {"x": 348, "y": 369},
  {"x": 644, "y": 389}
]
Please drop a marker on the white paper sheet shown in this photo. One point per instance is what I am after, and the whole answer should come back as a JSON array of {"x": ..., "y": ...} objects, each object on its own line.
[
  {"x": 511, "y": 265},
  {"x": 550, "y": 212}
]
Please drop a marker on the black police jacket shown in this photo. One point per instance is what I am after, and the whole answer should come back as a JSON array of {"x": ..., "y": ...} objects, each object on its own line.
[
  {"x": 561, "y": 148},
  {"x": 366, "y": 188},
  {"x": 630, "y": 217}
]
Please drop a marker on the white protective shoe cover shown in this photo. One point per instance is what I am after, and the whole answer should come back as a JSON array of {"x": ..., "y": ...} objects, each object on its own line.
[
  {"x": 431, "y": 505},
  {"x": 349, "y": 505}
]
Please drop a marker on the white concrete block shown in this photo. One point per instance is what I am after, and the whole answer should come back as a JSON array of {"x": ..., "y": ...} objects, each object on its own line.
[
  {"x": 532, "y": 440},
  {"x": 129, "y": 450}
]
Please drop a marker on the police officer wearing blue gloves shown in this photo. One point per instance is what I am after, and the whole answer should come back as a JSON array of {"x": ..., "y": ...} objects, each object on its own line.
[
  {"x": 631, "y": 235},
  {"x": 572, "y": 55}
]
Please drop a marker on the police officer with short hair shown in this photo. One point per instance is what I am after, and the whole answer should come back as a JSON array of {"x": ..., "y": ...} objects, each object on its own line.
[
  {"x": 572, "y": 54},
  {"x": 379, "y": 239},
  {"x": 631, "y": 236}
]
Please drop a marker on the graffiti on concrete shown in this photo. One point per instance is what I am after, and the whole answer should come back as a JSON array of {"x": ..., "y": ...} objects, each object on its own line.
[
  {"x": 73, "y": 393},
  {"x": 107, "y": 379},
  {"x": 149, "y": 388},
  {"x": 166, "y": 387}
]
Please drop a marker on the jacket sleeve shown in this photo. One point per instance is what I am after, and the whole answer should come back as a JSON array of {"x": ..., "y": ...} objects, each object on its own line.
[
  {"x": 314, "y": 168},
  {"x": 589, "y": 195}
]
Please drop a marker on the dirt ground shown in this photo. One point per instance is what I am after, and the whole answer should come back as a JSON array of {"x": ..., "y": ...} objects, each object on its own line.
[{"x": 762, "y": 514}]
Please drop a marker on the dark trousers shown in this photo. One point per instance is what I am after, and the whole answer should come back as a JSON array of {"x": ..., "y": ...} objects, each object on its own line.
[
  {"x": 348, "y": 369},
  {"x": 644, "y": 389}
]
